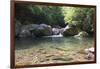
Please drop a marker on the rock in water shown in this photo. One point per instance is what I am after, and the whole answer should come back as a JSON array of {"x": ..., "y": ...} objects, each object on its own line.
[
  {"x": 82, "y": 34},
  {"x": 25, "y": 30},
  {"x": 17, "y": 28},
  {"x": 70, "y": 31},
  {"x": 90, "y": 53},
  {"x": 25, "y": 33},
  {"x": 91, "y": 50},
  {"x": 55, "y": 31},
  {"x": 42, "y": 30},
  {"x": 35, "y": 30}
]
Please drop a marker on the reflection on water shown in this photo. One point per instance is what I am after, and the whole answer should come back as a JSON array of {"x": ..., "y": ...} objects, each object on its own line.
[
  {"x": 51, "y": 50},
  {"x": 24, "y": 43}
]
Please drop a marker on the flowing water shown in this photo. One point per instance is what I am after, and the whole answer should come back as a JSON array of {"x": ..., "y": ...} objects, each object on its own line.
[{"x": 29, "y": 51}]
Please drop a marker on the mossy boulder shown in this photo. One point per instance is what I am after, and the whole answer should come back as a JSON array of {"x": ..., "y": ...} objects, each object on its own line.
[
  {"x": 70, "y": 31},
  {"x": 82, "y": 34}
]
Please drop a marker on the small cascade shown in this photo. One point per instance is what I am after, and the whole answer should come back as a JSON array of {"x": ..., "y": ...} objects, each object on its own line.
[
  {"x": 67, "y": 27},
  {"x": 59, "y": 35}
]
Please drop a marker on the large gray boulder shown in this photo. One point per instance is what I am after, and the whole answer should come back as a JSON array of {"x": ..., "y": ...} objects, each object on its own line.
[
  {"x": 25, "y": 30},
  {"x": 42, "y": 30},
  {"x": 35, "y": 30},
  {"x": 25, "y": 33}
]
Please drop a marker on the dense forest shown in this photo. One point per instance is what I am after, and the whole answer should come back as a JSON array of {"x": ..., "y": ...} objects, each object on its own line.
[{"x": 43, "y": 20}]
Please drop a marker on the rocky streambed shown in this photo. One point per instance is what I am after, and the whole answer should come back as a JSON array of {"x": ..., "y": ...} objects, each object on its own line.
[{"x": 47, "y": 50}]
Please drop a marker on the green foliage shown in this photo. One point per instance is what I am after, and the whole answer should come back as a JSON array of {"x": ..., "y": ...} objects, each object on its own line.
[
  {"x": 68, "y": 12},
  {"x": 81, "y": 16},
  {"x": 55, "y": 15},
  {"x": 51, "y": 15}
]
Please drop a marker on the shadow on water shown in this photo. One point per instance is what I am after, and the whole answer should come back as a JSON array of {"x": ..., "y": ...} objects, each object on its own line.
[{"x": 25, "y": 43}]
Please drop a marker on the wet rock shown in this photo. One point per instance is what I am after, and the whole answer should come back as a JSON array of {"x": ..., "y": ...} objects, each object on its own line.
[
  {"x": 90, "y": 56},
  {"x": 82, "y": 34},
  {"x": 34, "y": 30},
  {"x": 70, "y": 31},
  {"x": 89, "y": 50},
  {"x": 42, "y": 30},
  {"x": 25, "y": 33},
  {"x": 25, "y": 30},
  {"x": 90, "y": 53},
  {"x": 55, "y": 31}
]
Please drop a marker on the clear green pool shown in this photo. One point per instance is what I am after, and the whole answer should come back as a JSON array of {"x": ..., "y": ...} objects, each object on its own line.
[{"x": 29, "y": 51}]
